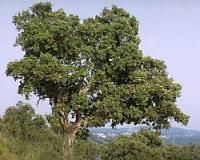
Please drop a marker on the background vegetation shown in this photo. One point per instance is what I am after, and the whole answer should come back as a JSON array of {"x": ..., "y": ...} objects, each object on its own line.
[{"x": 25, "y": 135}]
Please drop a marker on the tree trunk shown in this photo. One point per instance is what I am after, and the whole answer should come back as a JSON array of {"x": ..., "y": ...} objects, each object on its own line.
[
  {"x": 68, "y": 146},
  {"x": 69, "y": 130}
]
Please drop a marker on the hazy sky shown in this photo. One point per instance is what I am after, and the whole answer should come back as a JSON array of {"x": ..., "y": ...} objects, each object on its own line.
[{"x": 169, "y": 30}]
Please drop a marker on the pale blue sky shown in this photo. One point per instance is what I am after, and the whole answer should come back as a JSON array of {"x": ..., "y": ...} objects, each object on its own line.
[{"x": 169, "y": 30}]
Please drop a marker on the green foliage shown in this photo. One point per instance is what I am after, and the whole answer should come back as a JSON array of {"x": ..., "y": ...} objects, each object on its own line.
[
  {"x": 26, "y": 135},
  {"x": 21, "y": 122},
  {"x": 63, "y": 55},
  {"x": 86, "y": 150},
  {"x": 147, "y": 145},
  {"x": 144, "y": 145},
  {"x": 83, "y": 134},
  {"x": 54, "y": 124},
  {"x": 193, "y": 151},
  {"x": 124, "y": 149},
  {"x": 149, "y": 138},
  {"x": 5, "y": 154},
  {"x": 172, "y": 152},
  {"x": 34, "y": 151},
  {"x": 12, "y": 149}
]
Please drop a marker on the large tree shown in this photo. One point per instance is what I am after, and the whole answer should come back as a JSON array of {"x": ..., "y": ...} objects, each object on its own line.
[{"x": 93, "y": 67}]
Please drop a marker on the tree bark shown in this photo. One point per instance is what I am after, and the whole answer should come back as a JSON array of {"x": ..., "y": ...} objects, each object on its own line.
[
  {"x": 69, "y": 130},
  {"x": 68, "y": 147}
]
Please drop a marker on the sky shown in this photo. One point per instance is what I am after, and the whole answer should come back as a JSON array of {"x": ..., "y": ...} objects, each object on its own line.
[{"x": 169, "y": 30}]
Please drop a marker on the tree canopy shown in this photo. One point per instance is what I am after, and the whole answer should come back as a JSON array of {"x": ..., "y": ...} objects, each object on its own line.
[{"x": 93, "y": 67}]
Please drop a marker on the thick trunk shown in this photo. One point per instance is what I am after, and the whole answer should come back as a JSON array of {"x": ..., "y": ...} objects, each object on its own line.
[
  {"x": 68, "y": 146},
  {"x": 69, "y": 130}
]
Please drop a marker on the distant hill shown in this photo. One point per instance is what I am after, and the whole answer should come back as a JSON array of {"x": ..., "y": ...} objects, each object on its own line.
[
  {"x": 181, "y": 136},
  {"x": 178, "y": 136}
]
